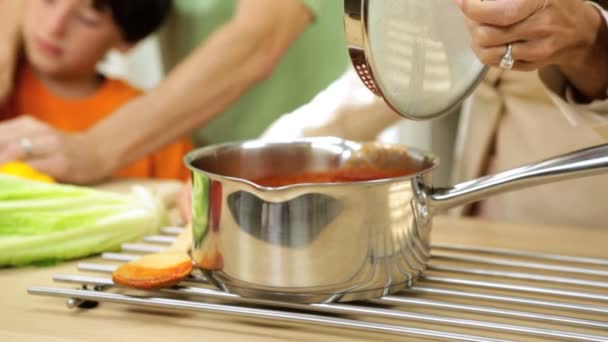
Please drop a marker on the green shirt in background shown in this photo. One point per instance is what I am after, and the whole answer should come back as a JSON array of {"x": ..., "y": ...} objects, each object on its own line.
[{"x": 318, "y": 57}]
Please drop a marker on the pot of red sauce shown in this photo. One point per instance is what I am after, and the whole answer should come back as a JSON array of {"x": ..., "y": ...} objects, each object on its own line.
[{"x": 326, "y": 219}]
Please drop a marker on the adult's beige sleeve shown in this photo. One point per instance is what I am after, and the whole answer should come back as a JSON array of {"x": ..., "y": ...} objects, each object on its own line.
[
  {"x": 345, "y": 109},
  {"x": 594, "y": 114}
]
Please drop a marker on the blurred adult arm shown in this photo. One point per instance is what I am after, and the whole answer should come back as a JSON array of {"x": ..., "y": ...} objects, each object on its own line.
[
  {"x": 239, "y": 54},
  {"x": 578, "y": 110},
  {"x": 10, "y": 35}
]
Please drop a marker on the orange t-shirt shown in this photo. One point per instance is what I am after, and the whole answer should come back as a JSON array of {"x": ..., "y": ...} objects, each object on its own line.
[{"x": 76, "y": 115}]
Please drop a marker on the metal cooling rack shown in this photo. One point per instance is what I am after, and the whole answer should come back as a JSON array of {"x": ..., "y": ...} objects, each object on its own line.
[{"x": 467, "y": 294}]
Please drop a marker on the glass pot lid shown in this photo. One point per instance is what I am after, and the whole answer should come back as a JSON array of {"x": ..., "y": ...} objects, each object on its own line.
[{"x": 415, "y": 54}]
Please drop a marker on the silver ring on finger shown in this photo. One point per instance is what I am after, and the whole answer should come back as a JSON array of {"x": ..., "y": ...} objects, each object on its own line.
[
  {"x": 507, "y": 60},
  {"x": 26, "y": 146}
]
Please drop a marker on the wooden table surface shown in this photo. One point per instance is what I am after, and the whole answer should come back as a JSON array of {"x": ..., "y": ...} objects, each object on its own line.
[{"x": 25, "y": 317}]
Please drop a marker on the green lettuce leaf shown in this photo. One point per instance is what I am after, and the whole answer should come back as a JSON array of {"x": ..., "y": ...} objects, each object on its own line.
[{"x": 42, "y": 223}]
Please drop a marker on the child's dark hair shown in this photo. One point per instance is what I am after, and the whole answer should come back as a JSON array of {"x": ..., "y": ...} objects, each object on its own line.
[{"x": 136, "y": 18}]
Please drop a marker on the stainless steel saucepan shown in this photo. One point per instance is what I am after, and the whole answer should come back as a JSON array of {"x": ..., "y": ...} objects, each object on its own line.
[{"x": 332, "y": 241}]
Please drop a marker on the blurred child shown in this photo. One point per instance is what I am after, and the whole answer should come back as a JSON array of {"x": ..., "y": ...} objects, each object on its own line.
[{"x": 57, "y": 81}]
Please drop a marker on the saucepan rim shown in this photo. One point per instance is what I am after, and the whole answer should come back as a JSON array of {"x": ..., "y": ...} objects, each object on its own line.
[{"x": 414, "y": 153}]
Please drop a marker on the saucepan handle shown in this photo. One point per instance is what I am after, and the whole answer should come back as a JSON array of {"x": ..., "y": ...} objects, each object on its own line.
[{"x": 582, "y": 163}]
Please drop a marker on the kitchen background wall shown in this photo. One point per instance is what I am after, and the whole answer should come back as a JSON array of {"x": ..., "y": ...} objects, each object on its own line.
[{"x": 142, "y": 67}]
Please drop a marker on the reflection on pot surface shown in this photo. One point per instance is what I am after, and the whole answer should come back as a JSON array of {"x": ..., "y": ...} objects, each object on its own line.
[{"x": 292, "y": 223}]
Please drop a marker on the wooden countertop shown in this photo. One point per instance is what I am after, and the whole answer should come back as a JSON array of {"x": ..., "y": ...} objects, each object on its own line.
[{"x": 25, "y": 317}]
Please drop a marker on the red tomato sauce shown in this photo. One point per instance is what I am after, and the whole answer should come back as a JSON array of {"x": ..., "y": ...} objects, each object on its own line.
[{"x": 335, "y": 176}]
